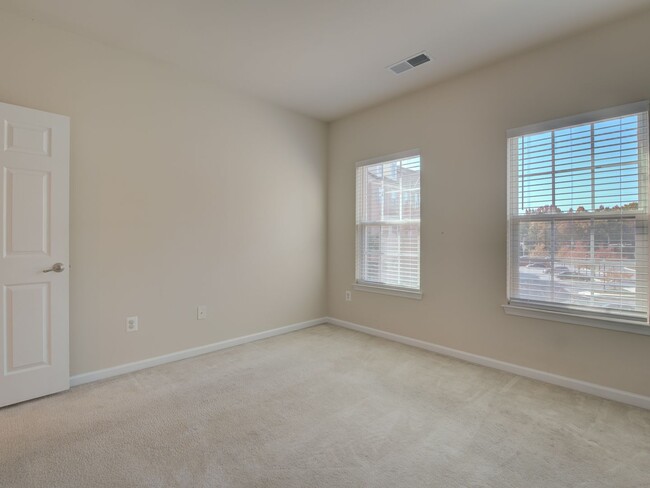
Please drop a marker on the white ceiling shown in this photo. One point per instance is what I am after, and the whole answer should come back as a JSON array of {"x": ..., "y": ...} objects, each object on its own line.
[{"x": 324, "y": 58}]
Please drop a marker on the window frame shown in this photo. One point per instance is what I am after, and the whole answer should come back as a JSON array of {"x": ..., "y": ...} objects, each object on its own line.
[
  {"x": 372, "y": 287},
  {"x": 547, "y": 311}
]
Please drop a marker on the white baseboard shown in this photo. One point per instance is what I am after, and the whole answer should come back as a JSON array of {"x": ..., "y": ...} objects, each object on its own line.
[
  {"x": 582, "y": 386},
  {"x": 101, "y": 374}
]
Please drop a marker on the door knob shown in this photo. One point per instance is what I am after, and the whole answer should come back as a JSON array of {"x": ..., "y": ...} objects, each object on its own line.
[{"x": 56, "y": 267}]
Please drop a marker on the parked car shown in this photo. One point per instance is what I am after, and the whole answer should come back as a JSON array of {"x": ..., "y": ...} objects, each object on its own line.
[
  {"x": 556, "y": 270},
  {"x": 572, "y": 275},
  {"x": 538, "y": 265}
]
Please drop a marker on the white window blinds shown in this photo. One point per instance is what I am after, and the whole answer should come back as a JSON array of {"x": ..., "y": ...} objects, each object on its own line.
[
  {"x": 578, "y": 214},
  {"x": 388, "y": 222}
]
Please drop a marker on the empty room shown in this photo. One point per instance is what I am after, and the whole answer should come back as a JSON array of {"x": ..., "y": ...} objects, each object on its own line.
[{"x": 324, "y": 243}]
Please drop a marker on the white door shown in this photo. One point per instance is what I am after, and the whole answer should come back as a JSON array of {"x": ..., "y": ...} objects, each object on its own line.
[{"x": 34, "y": 176}]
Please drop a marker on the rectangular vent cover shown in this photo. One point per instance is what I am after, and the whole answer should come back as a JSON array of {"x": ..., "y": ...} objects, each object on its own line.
[{"x": 409, "y": 63}]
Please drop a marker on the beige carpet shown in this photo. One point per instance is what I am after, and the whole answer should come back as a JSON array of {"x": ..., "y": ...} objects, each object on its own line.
[{"x": 323, "y": 407}]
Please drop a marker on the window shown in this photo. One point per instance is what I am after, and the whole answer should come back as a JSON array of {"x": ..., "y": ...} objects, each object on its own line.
[
  {"x": 388, "y": 224},
  {"x": 578, "y": 215}
]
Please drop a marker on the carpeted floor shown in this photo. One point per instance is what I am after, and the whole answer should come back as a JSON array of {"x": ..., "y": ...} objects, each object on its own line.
[{"x": 323, "y": 407}]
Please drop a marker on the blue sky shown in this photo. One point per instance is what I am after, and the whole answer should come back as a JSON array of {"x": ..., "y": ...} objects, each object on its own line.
[{"x": 565, "y": 156}]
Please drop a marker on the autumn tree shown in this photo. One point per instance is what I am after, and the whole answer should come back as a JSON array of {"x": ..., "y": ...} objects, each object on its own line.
[{"x": 571, "y": 239}]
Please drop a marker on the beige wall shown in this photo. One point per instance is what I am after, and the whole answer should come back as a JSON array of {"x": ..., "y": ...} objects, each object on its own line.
[
  {"x": 182, "y": 194},
  {"x": 460, "y": 127}
]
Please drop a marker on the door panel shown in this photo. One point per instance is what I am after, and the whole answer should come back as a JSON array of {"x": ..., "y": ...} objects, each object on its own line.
[
  {"x": 27, "y": 326},
  {"x": 27, "y": 138},
  {"x": 34, "y": 186},
  {"x": 27, "y": 203}
]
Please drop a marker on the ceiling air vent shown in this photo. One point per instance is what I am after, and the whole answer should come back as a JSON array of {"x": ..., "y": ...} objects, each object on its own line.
[{"x": 410, "y": 63}]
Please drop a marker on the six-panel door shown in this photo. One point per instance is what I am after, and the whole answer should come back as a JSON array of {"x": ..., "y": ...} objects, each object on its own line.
[{"x": 34, "y": 188}]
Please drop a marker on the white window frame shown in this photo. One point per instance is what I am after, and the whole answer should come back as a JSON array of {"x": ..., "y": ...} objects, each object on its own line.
[
  {"x": 361, "y": 285},
  {"x": 512, "y": 307}
]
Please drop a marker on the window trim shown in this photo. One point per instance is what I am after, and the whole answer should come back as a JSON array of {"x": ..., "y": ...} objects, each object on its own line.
[
  {"x": 388, "y": 290},
  {"x": 575, "y": 318},
  {"x": 586, "y": 118},
  {"x": 367, "y": 286},
  {"x": 547, "y": 312}
]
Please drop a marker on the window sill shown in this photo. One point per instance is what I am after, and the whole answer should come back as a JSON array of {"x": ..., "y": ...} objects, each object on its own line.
[
  {"x": 386, "y": 290},
  {"x": 621, "y": 325}
]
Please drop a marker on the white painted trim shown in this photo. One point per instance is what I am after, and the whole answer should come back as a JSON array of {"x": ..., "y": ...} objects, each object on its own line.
[
  {"x": 601, "y": 322},
  {"x": 573, "y": 384},
  {"x": 586, "y": 118},
  {"x": 389, "y": 290},
  {"x": 390, "y": 157},
  {"x": 101, "y": 374}
]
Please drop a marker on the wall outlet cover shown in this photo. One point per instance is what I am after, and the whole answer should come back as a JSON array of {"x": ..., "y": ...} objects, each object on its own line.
[
  {"x": 132, "y": 323},
  {"x": 201, "y": 312}
]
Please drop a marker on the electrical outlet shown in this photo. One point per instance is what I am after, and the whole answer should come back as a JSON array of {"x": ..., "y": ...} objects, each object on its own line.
[
  {"x": 348, "y": 296},
  {"x": 132, "y": 323},
  {"x": 201, "y": 312}
]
